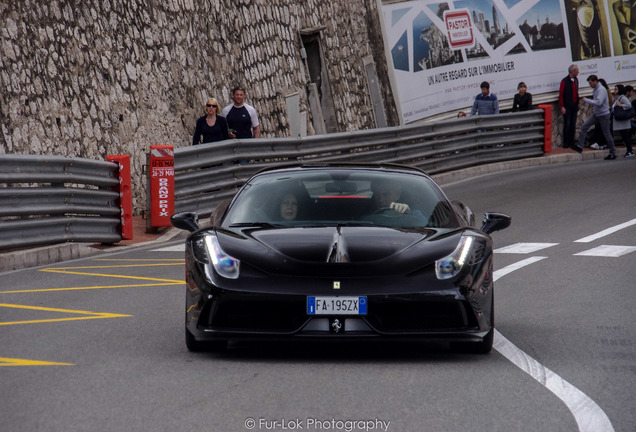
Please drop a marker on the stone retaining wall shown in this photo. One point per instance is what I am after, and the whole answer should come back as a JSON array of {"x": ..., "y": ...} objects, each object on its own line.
[{"x": 91, "y": 78}]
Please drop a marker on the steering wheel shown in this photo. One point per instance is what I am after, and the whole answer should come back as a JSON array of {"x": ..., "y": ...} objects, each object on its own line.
[{"x": 383, "y": 210}]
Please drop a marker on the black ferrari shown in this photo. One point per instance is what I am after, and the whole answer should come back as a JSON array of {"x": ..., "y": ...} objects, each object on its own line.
[{"x": 340, "y": 252}]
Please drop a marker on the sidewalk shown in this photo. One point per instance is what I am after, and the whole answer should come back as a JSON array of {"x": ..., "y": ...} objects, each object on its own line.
[{"x": 45, "y": 255}]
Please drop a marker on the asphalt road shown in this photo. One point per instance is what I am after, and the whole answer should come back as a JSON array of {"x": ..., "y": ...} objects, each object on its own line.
[{"x": 98, "y": 344}]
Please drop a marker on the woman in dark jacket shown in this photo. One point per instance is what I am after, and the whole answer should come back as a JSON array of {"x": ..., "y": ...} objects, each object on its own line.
[
  {"x": 211, "y": 127},
  {"x": 523, "y": 99}
]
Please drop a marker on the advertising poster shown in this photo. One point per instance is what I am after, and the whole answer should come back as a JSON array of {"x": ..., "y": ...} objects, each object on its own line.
[{"x": 440, "y": 52}]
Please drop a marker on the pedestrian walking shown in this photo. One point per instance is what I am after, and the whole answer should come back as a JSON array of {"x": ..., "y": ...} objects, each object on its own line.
[{"x": 601, "y": 105}]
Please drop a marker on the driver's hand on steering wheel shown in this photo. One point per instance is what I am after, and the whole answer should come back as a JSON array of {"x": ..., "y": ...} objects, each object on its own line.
[{"x": 400, "y": 207}]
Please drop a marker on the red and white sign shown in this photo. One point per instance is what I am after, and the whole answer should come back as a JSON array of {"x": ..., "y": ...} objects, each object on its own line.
[
  {"x": 460, "y": 29},
  {"x": 161, "y": 185}
]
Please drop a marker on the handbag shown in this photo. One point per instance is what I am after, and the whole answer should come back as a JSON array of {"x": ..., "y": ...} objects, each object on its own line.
[{"x": 623, "y": 114}]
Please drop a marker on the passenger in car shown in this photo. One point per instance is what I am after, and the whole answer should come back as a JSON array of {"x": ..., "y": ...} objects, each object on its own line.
[{"x": 289, "y": 207}]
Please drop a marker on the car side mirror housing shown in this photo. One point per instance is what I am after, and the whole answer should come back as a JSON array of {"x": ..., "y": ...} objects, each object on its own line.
[
  {"x": 187, "y": 221},
  {"x": 495, "y": 222}
]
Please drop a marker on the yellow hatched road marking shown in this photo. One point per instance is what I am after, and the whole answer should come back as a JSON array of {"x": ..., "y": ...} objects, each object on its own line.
[
  {"x": 90, "y": 315},
  {"x": 113, "y": 266},
  {"x": 63, "y": 271},
  {"x": 90, "y": 288},
  {"x": 4, "y": 361}
]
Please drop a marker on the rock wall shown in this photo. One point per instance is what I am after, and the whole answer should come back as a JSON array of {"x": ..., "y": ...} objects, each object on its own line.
[{"x": 91, "y": 78}]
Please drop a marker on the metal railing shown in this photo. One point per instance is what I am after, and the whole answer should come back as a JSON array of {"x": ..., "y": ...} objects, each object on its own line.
[
  {"x": 209, "y": 173},
  {"x": 52, "y": 199}
]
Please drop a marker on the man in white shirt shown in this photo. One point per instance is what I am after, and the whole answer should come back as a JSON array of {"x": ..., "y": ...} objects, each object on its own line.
[{"x": 242, "y": 119}]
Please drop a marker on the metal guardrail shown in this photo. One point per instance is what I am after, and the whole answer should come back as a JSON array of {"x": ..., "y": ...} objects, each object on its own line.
[
  {"x": 52, "y": 199},
  {"x": 207, "y": 174}
]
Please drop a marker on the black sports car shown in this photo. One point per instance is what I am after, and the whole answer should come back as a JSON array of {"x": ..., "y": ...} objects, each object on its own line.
[{"x": 340, "y": 251}]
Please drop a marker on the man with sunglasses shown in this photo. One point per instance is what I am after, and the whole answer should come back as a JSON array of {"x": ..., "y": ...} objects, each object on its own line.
[{"x": 241, "y": 117}]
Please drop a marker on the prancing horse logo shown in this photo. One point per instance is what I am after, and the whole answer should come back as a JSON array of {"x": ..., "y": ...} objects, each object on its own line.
[{"x": 336, "y": 325}]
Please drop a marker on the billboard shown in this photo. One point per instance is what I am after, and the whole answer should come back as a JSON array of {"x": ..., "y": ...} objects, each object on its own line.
[{"x": 440, "y": 52}]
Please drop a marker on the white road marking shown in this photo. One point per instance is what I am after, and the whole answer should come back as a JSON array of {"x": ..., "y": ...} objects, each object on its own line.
[
  {"x": 524, "y": 248},
  {"x": 606, "y": 232},
  {"x": 608, "y": 251},
  {"x": 176, "y": 248},
  {"x": 588, "y": 415},
  {"x": 516, "y": 266}
]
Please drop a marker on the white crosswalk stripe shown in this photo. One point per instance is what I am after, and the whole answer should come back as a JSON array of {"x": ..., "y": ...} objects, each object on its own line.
[
  {"x": 524, "y": 248},
  {"x": 608, "y": 251}
]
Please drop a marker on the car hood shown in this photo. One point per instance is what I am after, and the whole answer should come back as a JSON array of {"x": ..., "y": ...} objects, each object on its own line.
[{"x": 376, "y": 250}]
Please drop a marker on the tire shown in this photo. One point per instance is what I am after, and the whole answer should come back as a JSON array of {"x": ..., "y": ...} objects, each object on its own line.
[{"x": 199, "y": 346}]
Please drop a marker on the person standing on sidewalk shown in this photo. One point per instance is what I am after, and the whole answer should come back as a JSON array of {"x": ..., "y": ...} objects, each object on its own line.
[
  {"x": 623, "y": 127},
  {"x": 601, "y": 114},
  {"x": 569, "y": 101}
]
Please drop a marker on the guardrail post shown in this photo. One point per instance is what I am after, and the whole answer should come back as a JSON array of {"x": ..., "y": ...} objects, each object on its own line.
[
  {"x": 161, "y": 192},
  {"x": 125, "y": 194},
  {"x": 547, "y": 140}
]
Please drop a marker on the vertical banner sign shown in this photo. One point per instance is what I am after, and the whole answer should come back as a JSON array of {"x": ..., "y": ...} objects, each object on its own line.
[{"x": 161, "y": 185}]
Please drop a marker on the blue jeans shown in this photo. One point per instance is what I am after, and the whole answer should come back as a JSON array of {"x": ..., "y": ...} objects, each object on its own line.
[{"x": 604, "y": 121}]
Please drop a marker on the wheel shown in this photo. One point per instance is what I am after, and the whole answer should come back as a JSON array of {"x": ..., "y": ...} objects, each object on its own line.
[{"x": 200, "y": 346}]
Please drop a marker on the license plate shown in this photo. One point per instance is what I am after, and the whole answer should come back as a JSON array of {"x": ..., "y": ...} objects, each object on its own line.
[{"x": 336, "y": 305}]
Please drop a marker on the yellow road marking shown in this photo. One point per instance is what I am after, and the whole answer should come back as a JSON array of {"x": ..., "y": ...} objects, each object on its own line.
[
  {"x": 113, "y": 266},
  {"x": 140, "y": 260},
  {"x": 91, "y": 315},
  {"x": 89, "y": 288},
  {"x": 4, "y": 361},
  {"x": 62, "y": 271}
]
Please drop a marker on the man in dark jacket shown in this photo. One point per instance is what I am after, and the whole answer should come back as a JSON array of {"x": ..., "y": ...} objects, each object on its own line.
[{"x": 569, "y": 101}]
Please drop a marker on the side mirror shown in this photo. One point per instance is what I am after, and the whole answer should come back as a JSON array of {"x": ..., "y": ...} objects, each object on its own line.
[
  {"x": 495, "y": 222},
  {"x": 187, "y": 221}
]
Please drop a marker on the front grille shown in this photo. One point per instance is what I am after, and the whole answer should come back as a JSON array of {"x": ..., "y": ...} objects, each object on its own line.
[
  {"x": 260, "y": 314},
  {"x": 408, "y": 315}
]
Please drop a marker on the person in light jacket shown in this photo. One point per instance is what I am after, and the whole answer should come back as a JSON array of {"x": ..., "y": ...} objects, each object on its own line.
[{"x": 600, "y": 102}]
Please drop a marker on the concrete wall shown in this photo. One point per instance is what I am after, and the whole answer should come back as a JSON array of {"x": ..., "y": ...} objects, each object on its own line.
[{"x": 91, "y": 78}]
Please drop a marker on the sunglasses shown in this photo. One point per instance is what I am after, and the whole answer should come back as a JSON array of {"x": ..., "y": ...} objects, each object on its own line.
[{"x": 210, "y": 106}]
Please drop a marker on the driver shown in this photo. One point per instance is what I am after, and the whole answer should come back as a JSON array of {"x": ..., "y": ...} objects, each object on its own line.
[{"x": 387, "y": 195}]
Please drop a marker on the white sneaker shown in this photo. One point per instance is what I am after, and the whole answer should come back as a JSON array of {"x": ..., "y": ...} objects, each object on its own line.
[
  {"x": 595, "y": 146},
  {"x": 629, "y": 154}
]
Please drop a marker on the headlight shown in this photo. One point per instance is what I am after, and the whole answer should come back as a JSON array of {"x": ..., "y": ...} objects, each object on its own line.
[
  {"x": 451, "y": 265},
  {"x": 208, "y": 252}
]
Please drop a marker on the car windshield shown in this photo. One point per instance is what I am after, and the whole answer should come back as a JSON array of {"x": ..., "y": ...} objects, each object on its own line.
[{"x": 341, "y": 196}]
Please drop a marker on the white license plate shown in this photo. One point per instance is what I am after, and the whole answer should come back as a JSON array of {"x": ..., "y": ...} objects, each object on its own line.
[{"x": 336, "y": 305}]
